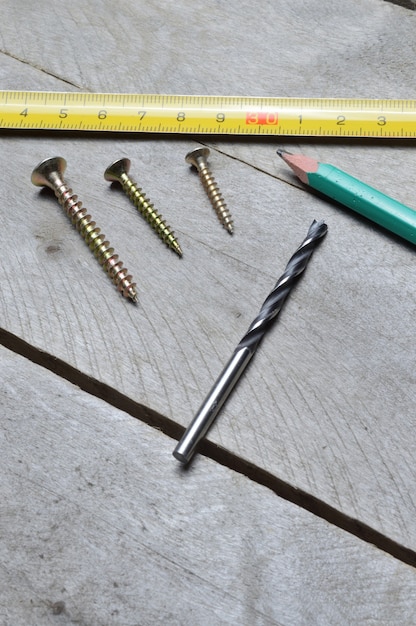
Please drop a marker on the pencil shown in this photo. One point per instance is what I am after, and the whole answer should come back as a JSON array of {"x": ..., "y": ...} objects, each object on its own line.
[{"x": 354, "y": 194}]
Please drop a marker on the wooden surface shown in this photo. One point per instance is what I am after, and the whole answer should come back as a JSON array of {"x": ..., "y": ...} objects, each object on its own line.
[
  {"x": 101, "y": 529},
  {"x": 310, "y": 464}
]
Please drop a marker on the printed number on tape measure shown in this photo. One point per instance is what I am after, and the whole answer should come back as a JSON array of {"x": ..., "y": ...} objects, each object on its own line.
[{"x": 207, "y": 114}]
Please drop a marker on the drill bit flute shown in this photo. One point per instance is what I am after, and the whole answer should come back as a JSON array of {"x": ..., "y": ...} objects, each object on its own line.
[{"x": 248, "y": 345}]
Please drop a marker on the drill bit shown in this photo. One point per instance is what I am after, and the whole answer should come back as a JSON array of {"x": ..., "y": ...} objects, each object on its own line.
[{"x": 248, "y": 344}]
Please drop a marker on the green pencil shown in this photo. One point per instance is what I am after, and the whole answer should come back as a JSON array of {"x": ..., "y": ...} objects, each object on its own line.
[{"x": 356, "y": 195}]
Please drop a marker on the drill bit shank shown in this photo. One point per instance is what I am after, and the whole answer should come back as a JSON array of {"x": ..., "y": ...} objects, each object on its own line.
[{"x": 248, "y": 345}]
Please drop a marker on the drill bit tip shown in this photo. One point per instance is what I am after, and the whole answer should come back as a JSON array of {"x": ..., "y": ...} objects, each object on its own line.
[{"x": 317, "y": 229}]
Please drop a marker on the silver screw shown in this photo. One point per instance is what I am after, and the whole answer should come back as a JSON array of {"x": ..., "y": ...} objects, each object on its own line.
[
  {"x": 49, "y": 173},
  {"x": 198, "y": 158}
]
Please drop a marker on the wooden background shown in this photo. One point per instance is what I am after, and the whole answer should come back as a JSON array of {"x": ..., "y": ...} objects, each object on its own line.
[{"x": 300, "y": 506}]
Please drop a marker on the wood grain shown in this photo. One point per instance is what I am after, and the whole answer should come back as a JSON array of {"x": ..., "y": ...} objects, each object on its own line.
[
  {"x": 329, "y": 387},
  {"x": 327, "y": 404},
  {"x": 99, "y": 527}
]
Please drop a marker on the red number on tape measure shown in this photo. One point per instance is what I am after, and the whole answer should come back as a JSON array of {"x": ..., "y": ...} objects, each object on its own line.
[{"x": 262, "y": 118}]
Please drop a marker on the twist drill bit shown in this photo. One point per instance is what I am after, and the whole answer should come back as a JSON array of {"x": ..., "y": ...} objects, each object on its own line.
[{"x": 248, "y": 344}]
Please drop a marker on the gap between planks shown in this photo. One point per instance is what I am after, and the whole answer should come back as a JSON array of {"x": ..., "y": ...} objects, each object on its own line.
[
  {"x": 214, "y": 452},
  {"x": 406, "y": 4}
]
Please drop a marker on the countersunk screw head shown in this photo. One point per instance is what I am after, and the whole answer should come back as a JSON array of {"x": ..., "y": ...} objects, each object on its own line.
[
  {"x": 47, "y": 172},
  {"x": 115, "y": 171},
  {"x": 194, "y": 156}
]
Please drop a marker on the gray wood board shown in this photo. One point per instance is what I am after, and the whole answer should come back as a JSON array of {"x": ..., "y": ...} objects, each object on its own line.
[
  {"x": 328, "y": 401},
  {"x": 97, "y": 527}
]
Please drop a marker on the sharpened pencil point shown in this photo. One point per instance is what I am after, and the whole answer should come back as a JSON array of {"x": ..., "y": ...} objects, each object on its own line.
[
  {"x": 281, "y": 152},
  {"x": 354, "y": 194}
]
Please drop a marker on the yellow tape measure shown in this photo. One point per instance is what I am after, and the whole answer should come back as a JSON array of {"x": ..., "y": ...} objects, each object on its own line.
[{"x": 220, "y": 115}]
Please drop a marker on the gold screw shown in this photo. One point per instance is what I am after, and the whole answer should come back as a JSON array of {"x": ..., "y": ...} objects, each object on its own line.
[
  {"x": 118, "y": 171},
  {"x": 49, "y": 173},
  {"x": 198, "y": 158}
]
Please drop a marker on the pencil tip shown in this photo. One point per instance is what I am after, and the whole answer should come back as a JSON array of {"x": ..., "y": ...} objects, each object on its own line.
[{"x": 281, "y": 152}]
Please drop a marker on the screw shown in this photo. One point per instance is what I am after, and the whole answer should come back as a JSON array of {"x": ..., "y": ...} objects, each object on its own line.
[
  {"x": 49, "y": 173},
  {"x": 118, "y": 171},
  {"x": 198, "y": 158}
]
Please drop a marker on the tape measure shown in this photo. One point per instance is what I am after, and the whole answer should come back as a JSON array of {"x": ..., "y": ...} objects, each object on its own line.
[{"x": 220, "y": 115}]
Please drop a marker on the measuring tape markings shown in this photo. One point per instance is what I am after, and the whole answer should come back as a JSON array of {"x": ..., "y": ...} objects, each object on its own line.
[{"x": 153, "y": 113}]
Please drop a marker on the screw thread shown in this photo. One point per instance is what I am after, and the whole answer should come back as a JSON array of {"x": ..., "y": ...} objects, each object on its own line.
[
  {"x": 147, "y": 210},
  {"x": 96, "y": 241},
  {"x": 215, "y": 197}
]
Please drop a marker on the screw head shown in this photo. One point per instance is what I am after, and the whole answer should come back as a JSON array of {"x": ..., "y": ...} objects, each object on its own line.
[
  {"x": 47, "y": 172},
  {"x": 115, "y": 171},
  {"x": 194, "y": 156}
]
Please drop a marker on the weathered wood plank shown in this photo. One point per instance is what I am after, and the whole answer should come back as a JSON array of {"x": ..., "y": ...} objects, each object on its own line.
[
  {"x": 327, "y": 403},
  {"x": 329, "y": 387},
  {"x": 363, "y": 48},
  {"x": 98, "y": 527}
]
